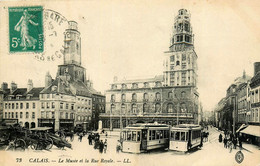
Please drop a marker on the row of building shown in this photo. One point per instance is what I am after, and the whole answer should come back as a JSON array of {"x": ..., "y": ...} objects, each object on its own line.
[
  {"x": 70, "y": 100},
  {"x": 241, "y": 105},
  {"x": 66, "y": 101}
]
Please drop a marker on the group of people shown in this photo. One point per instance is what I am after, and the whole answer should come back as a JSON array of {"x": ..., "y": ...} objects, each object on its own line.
[
  {"x": 98, "y": 144},
  {"x": 230, "y": 140}
]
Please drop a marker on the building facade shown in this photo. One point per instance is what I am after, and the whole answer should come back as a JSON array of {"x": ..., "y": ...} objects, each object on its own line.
[
  {"x": 21, "y": 105},
  {"x": 171, "y": 98}
]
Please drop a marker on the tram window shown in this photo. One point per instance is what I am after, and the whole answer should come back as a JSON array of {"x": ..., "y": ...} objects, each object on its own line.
[
  {"x": 134, "y": 136},
  {"x": 153, "y": 134},
  {"x": 138, "y": 135},
  {"x": 129, "y": 135},
  {"x": 161, "y": 134},
  {"x": 123, "y": 135},
  {"x": 172, "y": 134},
  {"x": 150, "y": 135},
  {"x": 166, "y": 134},
  {"x": 177, "y": 136},
  {"x": 157, "y": 134},
  {"x": 182, "y": 136},
  {"x": 144, "y": 135}
]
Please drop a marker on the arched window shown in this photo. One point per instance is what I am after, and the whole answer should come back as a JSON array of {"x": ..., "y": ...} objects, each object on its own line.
[
  {"x": 158, "y": 95},
  {"x": 123, "y": 97},
  {"x": 134, "y": 108},
  {"x": 170, "y": 108},
  {"x": 145, "y": 96},
  {"x": 157, "y": 107},
  {"x": 177, "y": 63},
  {"x": 158, "y": 84},
  {"x": 66, "y": 116},
  {"x": 113, "y": 108},
  {"x": 146, "y": 85},
  {"x": 170, "y": 95},
  {"x": 134, "y": 96},
  {"x": 113, "y": 97},
  {"x": 183, "y": 94},
  {"x": 145, "y": 107},
  {"x": 183, "y": 108}
]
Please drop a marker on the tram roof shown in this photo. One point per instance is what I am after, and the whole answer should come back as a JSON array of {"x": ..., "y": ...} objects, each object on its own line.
[
  {"x": 145, "y": 125},
  {"x": 187, "y": 126}
]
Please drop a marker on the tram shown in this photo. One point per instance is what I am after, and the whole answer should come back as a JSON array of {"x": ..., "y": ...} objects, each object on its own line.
[
  {"x": 185, "y": 137},
  {"x": 143, "y": 137}
]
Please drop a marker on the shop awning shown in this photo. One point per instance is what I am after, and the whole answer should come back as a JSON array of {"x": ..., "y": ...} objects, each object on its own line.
[
  {"x": 243, "y": 126},
  {"x": 252, "y": 130}
]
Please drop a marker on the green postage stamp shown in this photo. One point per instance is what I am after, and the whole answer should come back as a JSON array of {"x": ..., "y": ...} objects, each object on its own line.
[{"x": 26, "y": 29}]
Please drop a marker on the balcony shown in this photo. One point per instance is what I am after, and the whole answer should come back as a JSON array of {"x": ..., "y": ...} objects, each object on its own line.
[
  {"x": 145, "y": 100},
  {"x": 157, "y": 99}
]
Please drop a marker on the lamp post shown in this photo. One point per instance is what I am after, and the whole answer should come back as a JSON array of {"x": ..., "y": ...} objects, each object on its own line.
[{"x": 178, "y": 106}]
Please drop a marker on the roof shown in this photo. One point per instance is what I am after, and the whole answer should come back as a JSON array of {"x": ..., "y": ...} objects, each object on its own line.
[
  {"x": 35, "y": 92},
  {"x": 252, "y": 130},
  {"x": 140, "y": 80},
  {"x": 255, "y": 81}
]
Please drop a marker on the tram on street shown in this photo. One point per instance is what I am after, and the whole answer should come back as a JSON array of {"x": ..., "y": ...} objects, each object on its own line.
[
  {"x": 142, "y": 137},
  {"x": 185, "y": 137}
]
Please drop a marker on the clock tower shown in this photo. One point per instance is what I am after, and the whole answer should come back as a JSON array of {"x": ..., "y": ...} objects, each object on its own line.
[
  {"x": 180, "y": 64},
  {"x": 71, "y": 67}
]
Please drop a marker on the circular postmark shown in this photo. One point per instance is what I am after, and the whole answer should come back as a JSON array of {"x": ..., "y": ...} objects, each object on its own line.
[
  {"x": 239, "y": 157},
  {"x": 54, "y": 27}
]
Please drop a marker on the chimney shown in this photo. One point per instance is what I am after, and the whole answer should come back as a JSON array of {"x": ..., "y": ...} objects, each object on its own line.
[
  {"x": 256, "y": 67},
  {"x": 4, "y": 86},
  {"x": 29, "y": 85},
  {"x": 13, "y": 86},
  {"x": 48, "y": 79}
]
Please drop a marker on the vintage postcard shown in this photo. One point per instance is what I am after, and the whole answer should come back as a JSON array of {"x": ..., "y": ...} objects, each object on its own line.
[{"x": 134, "y": 82}]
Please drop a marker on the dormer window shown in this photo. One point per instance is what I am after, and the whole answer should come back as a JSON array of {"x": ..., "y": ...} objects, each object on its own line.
[
  {"x": 158, "y": 84},
  {"x": 113, "y": 86},
  {"x": 146, "y": 85},
  {"x": 124, "y": 86},
  {"x": 134, "y": 85}
]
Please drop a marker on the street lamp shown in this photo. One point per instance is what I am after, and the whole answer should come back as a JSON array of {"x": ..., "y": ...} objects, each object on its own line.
[{"x": 178, "y": 106}]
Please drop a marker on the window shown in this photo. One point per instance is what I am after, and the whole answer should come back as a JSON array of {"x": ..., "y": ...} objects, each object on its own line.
[
  {"x": 72, "y": 106},
  {"x": 157, "y": 107},
  {"x": 21, "y": 105},
  {"x": 48, "y": 96},
  {"x": 146, "y": 85},
  {"x": 134, "y": 85},
  {"x": 52, "y": 105},
  {"x": 48, "y": 105},
  {"x": 170, "y": 95},
  {"x": 172, "y": 58},
  {"x": 182, "y": 136},
  {"x": 113, "y": 108},
  {"x": 158, "y": 95},
  {"x": 42, "y": 105},
  {"x": 134, "y": 96},
  {"x": 145, "y": 107},
  {"x": 66, "y": 116},
  {"x": 21, "y": 115},
  {"x": 27, "y": 105},
  {"x": 33, "y": 105},
  {"x": 124, "y": 86},
  {"x": 186, "y": 27},
  {"x": 134, "y": 107},
  {"x": 67, "y": 106},
  {"x": 89, "y": 102},
  {"x": 177, "y": 63},
  {"x": 42, "y": 114},
  {"x": 71, "y": 115},
  {"x": 47, "y": 114},
  {"x": 172, "y": 78},
  {"x": 12, "y": 105},
  {"x": 61, "y": 115},
  {"x": 183, "y": 65},
  {"x": 113, "y": 97},
  {"x": 16, "y": 105},
  {"x": 61, "y": 105},
  {"x": 123, "y": 97},
  {"x": 9, "y": 114},
  {"x": 33, "y": 115},
  {"x": 52, "y": 115},
  {"x": 170, "y": 108},
  {"x": 183, "y": 78},
  {"x": 177, "y": 136},
  {"x": 134, "y": 136},
  {"x": 5, "y": 114},
  {"x": 183, "y": 94},
  {"x": 183, "y": 57},
  {"x": 12, "y": 114},
  {"x": 158, "y": 84},
  {"x": 172, "y": 67},
  {"x": 145, "y": 96},
  {"x": 27, "y": 115},
  {"x": 16, "y": 115},
  {"x": 5, "y": 105}
]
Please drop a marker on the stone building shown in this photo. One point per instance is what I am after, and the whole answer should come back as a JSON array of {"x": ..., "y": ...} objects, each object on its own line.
[
  {"x": 21, "y": 105},
  {"x": 170, "y": 98}
]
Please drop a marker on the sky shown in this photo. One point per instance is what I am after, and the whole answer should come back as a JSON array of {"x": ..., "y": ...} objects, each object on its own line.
[{"x": 129, "y": 38}]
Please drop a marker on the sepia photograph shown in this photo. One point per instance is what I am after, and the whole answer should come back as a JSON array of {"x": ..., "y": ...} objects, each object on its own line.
[{"x": 133, "y": 82}]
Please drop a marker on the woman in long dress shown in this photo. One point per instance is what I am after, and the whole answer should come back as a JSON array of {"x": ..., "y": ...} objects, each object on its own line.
[{"x": 23, "y": 27}]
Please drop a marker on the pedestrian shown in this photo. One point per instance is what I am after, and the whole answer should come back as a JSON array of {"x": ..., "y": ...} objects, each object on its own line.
[
  {"x": 220, "y": 137},
  {"x": 240, "y": 143},
  {"x": 230, "y": 145},
  {"x": 235, "y": 142},
  {"x": 118, "y": 146},
  {"x": 80, "y": 137},
  {"x": 225, "y": 142},
  {"x": 101, "y": 146},
  {"x": 90, "y": 139},
  {"x": 105, "y": 146},
  {"x": 106, "y": 134}
]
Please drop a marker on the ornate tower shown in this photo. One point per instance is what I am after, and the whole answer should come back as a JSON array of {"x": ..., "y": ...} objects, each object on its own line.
[
  {"x": 71, "y": 68},
  {"x": 180, "y": 64},
  {"x": 72, "y": 43}
]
